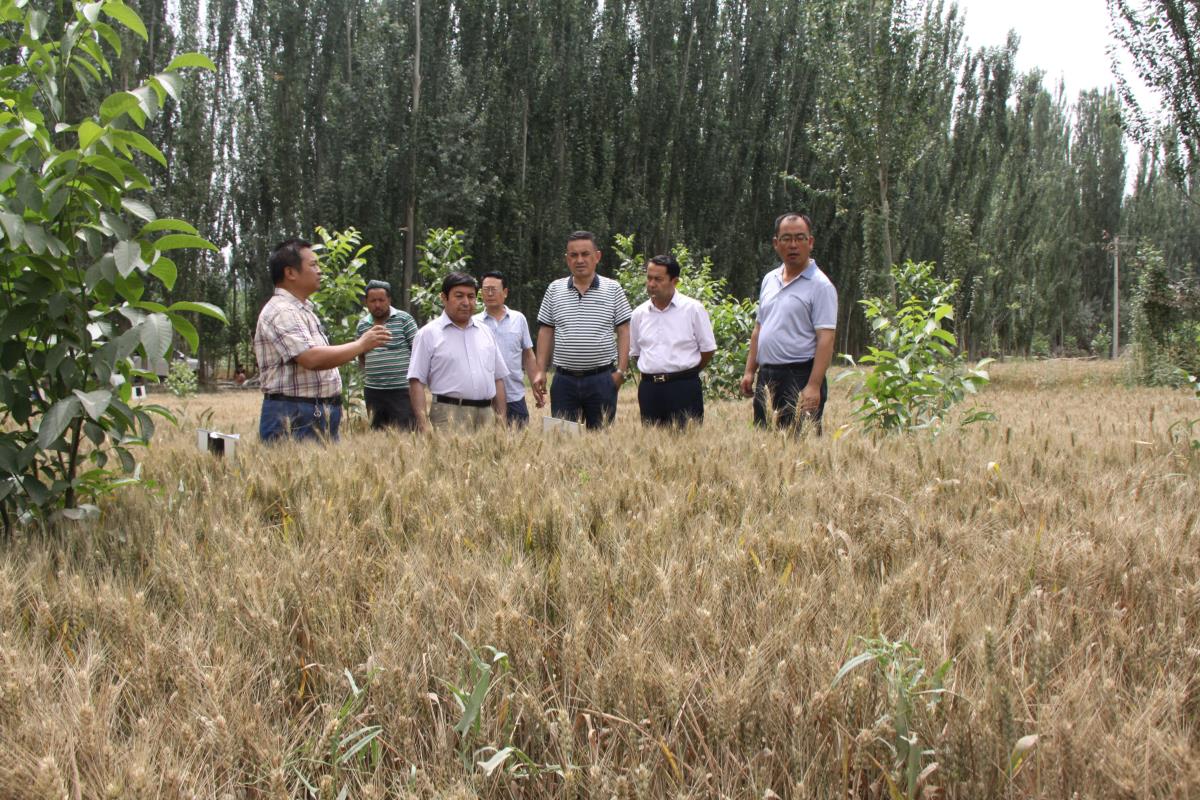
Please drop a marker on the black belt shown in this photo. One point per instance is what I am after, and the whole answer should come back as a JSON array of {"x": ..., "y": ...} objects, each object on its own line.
[
  {"x": 458, "y": 401},
  {"x": 335, "y": 400},
  {"x": 583, "y": 373},
  {"x": 667, "y": 377},
  {"x": 785, "y": 367}
]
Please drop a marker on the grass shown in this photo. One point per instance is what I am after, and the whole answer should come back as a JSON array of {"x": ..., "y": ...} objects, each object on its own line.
[{"x": 674, "y": 609}]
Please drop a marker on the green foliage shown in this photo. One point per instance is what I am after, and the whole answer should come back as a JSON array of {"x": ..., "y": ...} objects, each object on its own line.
[
  {"x": 181, "y": 380},
  {"x": 81, "y": 249},
  {"x": 914, "y": 694},
  {"x": 1101, "y": 344},
  {"x": 901, "y": 141},
  {"x": 1161, "y": 38},
  {"x": 349, "y": 750},
  {"x": 339, "y": 301},
  {"x": 1184, "y": 434},
  {"x": 470, "y": 693},
  {"x": 1039, "y": 346},
  {"x": 917, "y": 374},
  {"x": 732, "y": 318},
  {"x": 1166, "y": 324},
  {"x": 441, "y": 254}
]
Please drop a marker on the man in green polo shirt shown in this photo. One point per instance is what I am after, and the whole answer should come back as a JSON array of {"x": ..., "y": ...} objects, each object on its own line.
[{"x": 386, "y": 368}]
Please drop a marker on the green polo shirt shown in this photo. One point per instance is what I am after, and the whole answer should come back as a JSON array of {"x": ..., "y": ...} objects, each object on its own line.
[{"x": 387, "y": 365}]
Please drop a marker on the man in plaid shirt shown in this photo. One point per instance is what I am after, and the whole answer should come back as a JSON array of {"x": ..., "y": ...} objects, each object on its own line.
[{"x": 302, "y": 389}]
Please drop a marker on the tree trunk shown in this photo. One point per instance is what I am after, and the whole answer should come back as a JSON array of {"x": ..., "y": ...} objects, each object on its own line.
[{"x": 410, "y": 218}]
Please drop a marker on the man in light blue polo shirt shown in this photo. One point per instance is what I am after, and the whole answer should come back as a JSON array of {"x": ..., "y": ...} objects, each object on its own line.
[
  {"x": 791, "y": 347},
  {"x": 511, "y": 331}
]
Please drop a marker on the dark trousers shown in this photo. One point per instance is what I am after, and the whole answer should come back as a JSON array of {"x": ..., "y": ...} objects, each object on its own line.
[
  {"x": 388, "y": 408},
  {"x": 672, "y": 402},
  {"x": 516, "y": 413},
  {"x": 781, "y": 384},
  {"x": 592, "y": 398},
  {"x": 281, "y": 419}
]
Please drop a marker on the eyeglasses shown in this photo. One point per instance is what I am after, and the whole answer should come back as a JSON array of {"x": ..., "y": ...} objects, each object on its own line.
[
  {"x": 798, "y": 238},
  {"x": 491, "y": 289}
]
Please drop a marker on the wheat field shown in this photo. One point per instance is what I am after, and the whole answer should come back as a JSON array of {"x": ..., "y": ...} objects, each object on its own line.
[{"x": 673, "y": 609}]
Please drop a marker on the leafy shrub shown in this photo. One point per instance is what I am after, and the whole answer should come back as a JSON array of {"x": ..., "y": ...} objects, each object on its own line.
[
  {"x": 1184, "y": 434},
  {"x": 1166, "y": 329},
  {"x": 1039, "y": 346},
  {"x": 914, "y": 694},
  {"x": 441, "y": 254},
  {"x": 1102, "y": 342},
  {"x": 732, "y": 318},
  {"x": 79, "y": 246},
  {"x": 917, "y": 375},
  {"x": 181, "y": 380},
  {"x": 339, "y": 301}
]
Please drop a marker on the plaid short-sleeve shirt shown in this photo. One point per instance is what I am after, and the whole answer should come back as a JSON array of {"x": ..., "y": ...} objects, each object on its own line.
[{"x": 286, "y": 328}]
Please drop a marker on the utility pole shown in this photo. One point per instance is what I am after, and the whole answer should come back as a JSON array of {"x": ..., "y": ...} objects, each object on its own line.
[{"x": 1116, "y": 297}]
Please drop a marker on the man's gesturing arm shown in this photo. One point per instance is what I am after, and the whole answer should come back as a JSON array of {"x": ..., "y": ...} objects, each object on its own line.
[{"x": 329, "y": 356}]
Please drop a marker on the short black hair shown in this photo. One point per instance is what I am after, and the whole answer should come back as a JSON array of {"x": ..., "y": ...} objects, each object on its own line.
[
  {"x": 579, "y": 236},
  {"x": 669, "y": 262},
  {"x": 387, "y": 288},
  {"x": 286, "y": 254},
  {"x": 457, "y": 279},
  {"x": 788, "y": 214},
  {"x": 495, "y": 273}
]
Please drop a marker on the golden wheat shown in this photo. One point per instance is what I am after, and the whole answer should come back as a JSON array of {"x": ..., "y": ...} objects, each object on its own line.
[{"x": 674, "y": 608}]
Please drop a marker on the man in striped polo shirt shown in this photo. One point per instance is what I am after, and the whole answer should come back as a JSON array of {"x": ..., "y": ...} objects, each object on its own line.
[
  {"x": 584, "y": 322},
  {"x": 385, "y": 369}
]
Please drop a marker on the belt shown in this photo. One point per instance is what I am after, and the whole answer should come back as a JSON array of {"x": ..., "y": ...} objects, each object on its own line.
[
  {"x": 792, "y": 365},
  {"x": 335, "y": 400},
  {"x": 667, "y": 377},
  {"x": 583, "y": 373},
  {"x": 458, "y": 401}
]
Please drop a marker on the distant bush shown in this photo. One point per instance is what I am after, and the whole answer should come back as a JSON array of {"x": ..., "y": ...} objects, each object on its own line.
[
  {"x": 1039, "y": 347},
  {"x": 732, "y": 318},
  {"x": 1101, "y": 344},
  {"x": 181, "y": 380},
  {"x": 1166, "y": 324}
]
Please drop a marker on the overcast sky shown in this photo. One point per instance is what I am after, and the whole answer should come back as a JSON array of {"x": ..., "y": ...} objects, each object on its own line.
[{"x": 1065, "y": 38}]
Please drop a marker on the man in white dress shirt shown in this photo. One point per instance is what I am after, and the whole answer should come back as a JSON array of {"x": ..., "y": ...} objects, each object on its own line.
[
  {"x": 457, "y": 358},
  {"x": 671, "y": 337}
]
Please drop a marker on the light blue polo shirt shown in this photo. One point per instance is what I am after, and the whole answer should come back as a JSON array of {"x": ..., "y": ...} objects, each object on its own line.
[
  {"x": 791, "y": 315},
  {"x": 512, "y": 335}
]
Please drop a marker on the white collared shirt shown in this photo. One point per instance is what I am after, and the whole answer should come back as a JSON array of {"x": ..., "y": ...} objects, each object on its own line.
[
  {"x": 457, "y": 362},
  {"x": 512, "y": 336},
  {"x": 670, "y": 339}
]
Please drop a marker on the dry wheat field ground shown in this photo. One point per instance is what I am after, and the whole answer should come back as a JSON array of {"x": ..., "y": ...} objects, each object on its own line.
[{"x": 636, "y": 613}]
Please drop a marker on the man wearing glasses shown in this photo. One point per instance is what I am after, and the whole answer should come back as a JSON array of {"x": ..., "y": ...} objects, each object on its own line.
[
  {"x": 792, "y": 343},
  {"x": 511, "y": 332}
]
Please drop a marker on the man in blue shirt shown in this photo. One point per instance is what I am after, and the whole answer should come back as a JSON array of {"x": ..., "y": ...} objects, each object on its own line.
[
  {"x": 791, "y": 347},
  {"x": 511, "y": 331}
]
